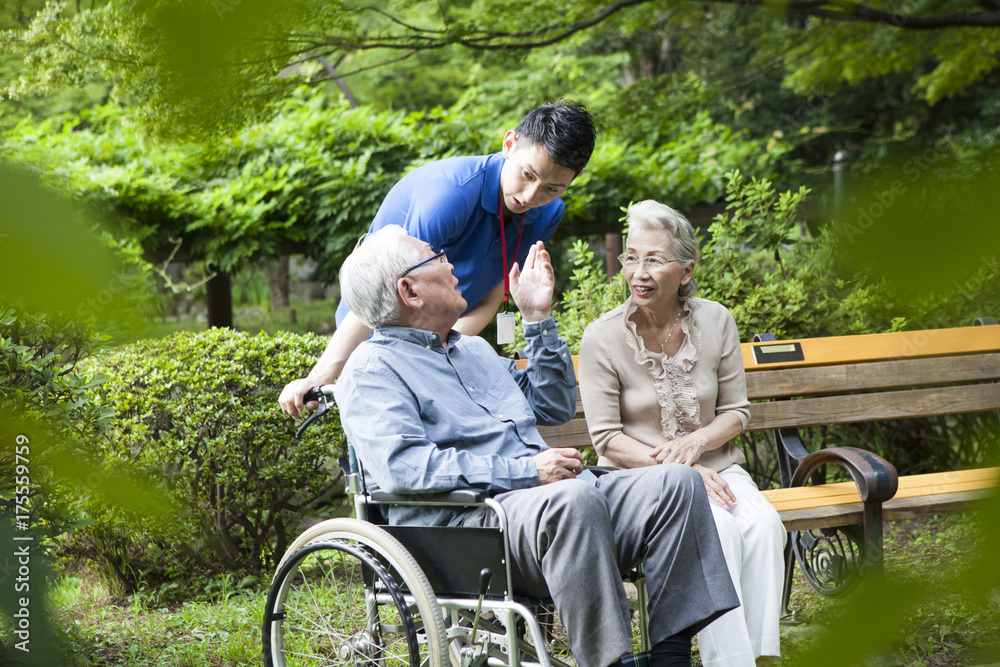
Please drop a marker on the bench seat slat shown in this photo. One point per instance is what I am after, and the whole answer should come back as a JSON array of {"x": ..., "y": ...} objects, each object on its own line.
[
  {"x": 893, "y": 510},
  {"x": 918, "y": 495},
  {"x": 873, "y": 407},
  {"x": 910, "y": 486},
  {"x": 877, "y": 375},
  {"x": 848, "y": 496}
]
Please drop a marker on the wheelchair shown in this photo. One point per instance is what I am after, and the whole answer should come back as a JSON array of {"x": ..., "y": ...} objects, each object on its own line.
[{"x": 354, "y": 591}]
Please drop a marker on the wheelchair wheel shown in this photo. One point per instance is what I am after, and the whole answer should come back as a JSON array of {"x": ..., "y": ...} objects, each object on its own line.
[{"x": 351, "y": 595}]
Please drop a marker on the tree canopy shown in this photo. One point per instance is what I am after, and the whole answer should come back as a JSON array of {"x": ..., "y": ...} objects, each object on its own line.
[
  {"x": 190, "y": 65},
  {"x": 241, "y": 131},
  {"x": 310, "y": 179}
]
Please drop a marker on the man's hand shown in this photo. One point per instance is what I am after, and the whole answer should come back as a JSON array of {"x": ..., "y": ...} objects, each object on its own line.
[
  {"x": 291, "y": 398},
  {"x": 557, "y": 464},
  {"x": 718, "y": 491},
  {"x": 532, "y": 287},
  {"x": 686, "y": 450}
]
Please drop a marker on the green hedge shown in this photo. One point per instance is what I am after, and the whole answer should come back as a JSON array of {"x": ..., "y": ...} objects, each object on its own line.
[
  {"x": 199, "y": 414},
  {"x": 313, "y": 175}
]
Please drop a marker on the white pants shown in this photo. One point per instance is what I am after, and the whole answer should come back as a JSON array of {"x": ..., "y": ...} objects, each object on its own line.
[{"x": 753, "y": 541}]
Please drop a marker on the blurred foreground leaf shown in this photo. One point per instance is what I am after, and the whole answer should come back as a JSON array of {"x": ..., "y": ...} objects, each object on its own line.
[
  {"x": 871, "y": 618},
  {"x": 31, "y": 626},
  {"x": 50, "y": 259},
  {"x": 54, "y": 267},
  {"x": 215, "y": 64},
  {"x": 926, "y": 224}
]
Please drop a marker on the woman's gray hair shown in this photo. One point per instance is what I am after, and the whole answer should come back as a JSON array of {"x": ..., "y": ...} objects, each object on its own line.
[
  {"x": 369, "y": 274},
  {"x": 653, "y": 214}
]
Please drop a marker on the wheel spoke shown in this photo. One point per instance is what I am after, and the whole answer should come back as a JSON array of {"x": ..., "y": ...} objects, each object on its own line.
[{"x": 342, "y": 607}]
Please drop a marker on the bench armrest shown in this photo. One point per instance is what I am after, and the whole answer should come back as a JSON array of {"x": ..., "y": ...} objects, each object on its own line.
[
  {"x": 875, "y": 477},
  {"x": 876, "y": 480}
]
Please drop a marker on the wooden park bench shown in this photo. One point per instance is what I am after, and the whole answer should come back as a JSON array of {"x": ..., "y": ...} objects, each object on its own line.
[{"x": 836, "y": 529}]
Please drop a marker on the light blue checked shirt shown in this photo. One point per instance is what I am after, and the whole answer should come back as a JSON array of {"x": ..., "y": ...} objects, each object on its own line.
[{"x": 425, "y": 417}]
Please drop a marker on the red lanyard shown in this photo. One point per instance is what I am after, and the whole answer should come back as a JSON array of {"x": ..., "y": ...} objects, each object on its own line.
[{"x": 503, "y": 244}]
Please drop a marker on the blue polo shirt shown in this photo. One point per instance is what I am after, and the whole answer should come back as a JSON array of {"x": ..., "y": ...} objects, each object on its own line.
[{"x": 453, "y": 205}]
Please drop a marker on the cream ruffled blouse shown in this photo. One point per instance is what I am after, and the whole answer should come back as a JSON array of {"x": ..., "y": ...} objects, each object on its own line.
[
  {"x": 654, "y": 397},
  {"x": 671, "y": 376}
]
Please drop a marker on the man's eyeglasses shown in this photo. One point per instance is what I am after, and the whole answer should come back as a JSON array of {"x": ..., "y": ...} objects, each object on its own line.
[
  {"x": 443, "y": 257},
  {"x": 650, "y": 263}
]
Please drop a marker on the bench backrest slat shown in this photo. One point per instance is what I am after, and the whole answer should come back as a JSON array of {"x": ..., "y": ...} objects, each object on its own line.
[
  {"x": 571, "y": 434},
  {"x": 852, "y": 408},
  {"x": 850, "y": 379},
  {"x": 818, "y": 411},
  {"x": 882, "y": 346},
  {"x": 785, "y": 382}
]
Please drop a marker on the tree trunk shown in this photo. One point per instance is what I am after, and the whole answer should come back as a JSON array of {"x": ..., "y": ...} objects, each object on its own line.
[
  {"x": 613, "y": 243},
  {"x": 219, "y": 300},
  {"x": 277, "y": 281},
  {"x": 331, "y": 71}
]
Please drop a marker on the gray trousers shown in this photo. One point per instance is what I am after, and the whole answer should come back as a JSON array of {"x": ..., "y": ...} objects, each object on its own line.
[{"x": 573, "y": 541}]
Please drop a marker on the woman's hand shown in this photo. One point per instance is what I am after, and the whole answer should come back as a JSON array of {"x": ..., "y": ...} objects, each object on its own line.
[
  {"x": 686, "y": 450},
  {"x": 718, "y": 491}
]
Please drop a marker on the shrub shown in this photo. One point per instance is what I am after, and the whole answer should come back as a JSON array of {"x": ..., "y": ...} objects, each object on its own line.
[
  {"x": 199, "y": 413},
  {"x": 38, "y": 363},
  {"x": 44, "y": 399}
]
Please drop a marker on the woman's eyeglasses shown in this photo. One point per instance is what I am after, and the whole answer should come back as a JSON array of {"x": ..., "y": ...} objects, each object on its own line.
[{"x": 650, "y": 263}]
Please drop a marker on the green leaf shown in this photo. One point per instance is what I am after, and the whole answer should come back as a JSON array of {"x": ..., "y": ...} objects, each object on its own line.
[{"x": 49, "y": 258}]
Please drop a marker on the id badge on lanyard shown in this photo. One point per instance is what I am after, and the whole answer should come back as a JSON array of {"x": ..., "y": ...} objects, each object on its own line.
[
  {"x": 505, "y": 328},
  {"x": 506, "y": 320}
]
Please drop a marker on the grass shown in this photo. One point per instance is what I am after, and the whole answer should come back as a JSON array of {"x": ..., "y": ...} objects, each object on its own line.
[
  {"x": 103, "y": 630},
  {"x": 219, "y": 624},
  {"x": 944, "y": 627}
]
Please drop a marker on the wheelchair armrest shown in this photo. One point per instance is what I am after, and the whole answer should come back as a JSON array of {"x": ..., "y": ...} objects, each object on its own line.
[{"x": 456, "y": 497}]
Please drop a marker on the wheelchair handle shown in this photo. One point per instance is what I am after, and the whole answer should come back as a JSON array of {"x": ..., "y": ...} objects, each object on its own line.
[
  {"x": 318, "y": 392},
  {"x": 323, "y": 395}
]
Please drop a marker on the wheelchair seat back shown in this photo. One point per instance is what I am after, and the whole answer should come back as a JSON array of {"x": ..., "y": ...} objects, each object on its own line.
[{"x": 454, "y": 558}]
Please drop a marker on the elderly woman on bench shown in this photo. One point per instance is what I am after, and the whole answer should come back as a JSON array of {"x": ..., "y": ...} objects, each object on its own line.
[{"x": 661, "y": 378}]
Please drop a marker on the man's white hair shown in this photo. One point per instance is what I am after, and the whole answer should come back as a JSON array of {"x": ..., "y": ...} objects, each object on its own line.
[{"x": 369, "y": 274}]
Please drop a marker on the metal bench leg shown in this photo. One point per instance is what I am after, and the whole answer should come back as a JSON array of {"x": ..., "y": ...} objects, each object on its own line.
[
  {"x": 786, "y": 591},
  {"x": 874, "y": 563}
]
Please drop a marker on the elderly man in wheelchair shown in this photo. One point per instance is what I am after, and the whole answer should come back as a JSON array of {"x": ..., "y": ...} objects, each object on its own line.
[{"x": 431, "y": 412}]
